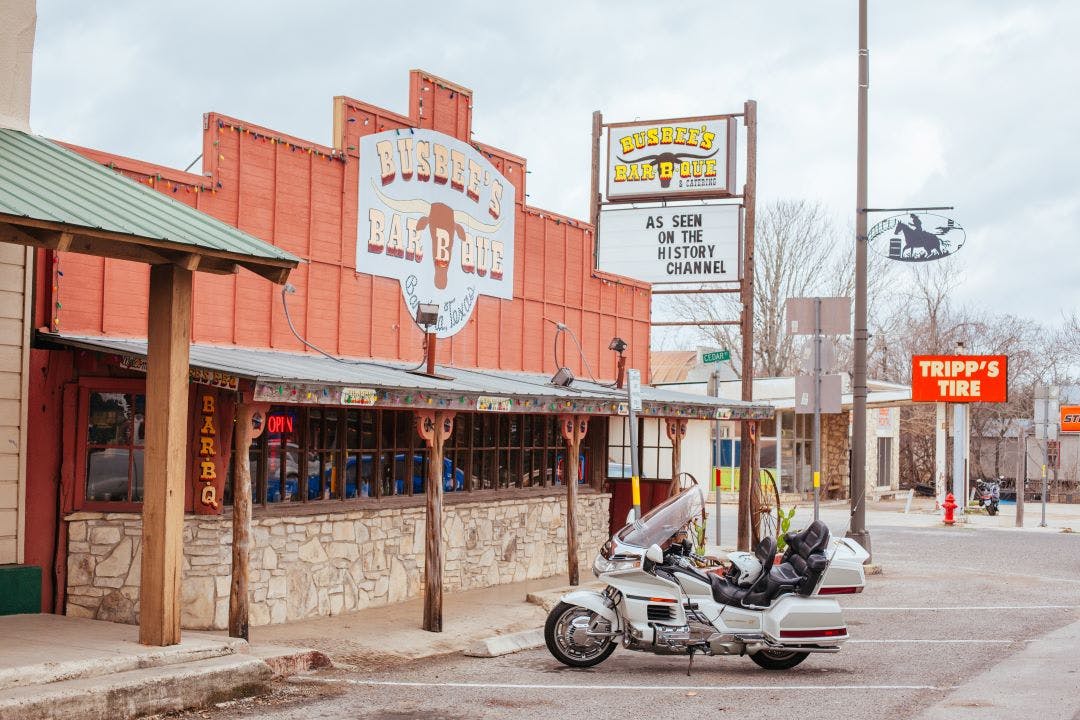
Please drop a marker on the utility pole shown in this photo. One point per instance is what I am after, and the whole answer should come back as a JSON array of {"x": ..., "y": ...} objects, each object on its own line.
[
  {"x": 817, "y": 406},
  {"x": 1021, "y": 473},
  {"x": 960, "y": 441},
  {"x": 857, "y": 530}
]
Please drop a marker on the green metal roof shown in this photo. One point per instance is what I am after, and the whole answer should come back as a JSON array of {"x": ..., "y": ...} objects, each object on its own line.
[{"x": 43, "y": 181}]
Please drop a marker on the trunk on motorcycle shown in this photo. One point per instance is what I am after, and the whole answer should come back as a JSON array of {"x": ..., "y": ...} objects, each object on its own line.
[{"x": 845, "y": 572}]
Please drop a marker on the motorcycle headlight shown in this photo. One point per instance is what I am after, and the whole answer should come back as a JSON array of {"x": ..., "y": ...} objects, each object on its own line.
[{"x": 615, "y": 563}]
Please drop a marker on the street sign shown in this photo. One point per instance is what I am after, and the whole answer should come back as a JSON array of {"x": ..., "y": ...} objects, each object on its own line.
[
  {"x": 835, "y": 316},
  {"x": 805, "y": 387},
  {"x": 633, "y": 385},
  {"x": 716, "y": 356},
  {"x": 1046, "y": 411}
]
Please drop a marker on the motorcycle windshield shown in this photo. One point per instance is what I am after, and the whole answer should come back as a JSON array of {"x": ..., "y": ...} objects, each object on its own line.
[{"x": 664, "y": 520}]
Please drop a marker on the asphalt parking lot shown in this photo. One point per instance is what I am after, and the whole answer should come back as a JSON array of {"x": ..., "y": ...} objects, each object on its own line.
[{"x": 950, "y": 606}]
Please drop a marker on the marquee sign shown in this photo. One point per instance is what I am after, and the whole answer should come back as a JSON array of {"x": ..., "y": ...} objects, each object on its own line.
[
  {"x": 697, "y": 243},
  {"x": 959, "y": 378},
  {"x": 916, "y": 237},
  {"x": 683, "y": 158},
  {"x": 438, "y": 217}
]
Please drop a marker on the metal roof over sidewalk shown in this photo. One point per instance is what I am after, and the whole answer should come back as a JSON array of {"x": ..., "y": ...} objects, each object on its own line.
[
  {"x": 284, "y": 377},
  {"x": 45, "y": 187}
]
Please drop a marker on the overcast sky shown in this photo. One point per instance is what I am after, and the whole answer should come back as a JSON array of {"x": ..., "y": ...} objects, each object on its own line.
[{"x": 972, "y": 103}]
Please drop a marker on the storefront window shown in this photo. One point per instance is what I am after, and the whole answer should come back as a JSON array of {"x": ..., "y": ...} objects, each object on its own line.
[
  {"x": 656, "y": 453},
  {"x": 115, "y": 437},
  {"x": 308, "y": 454}
]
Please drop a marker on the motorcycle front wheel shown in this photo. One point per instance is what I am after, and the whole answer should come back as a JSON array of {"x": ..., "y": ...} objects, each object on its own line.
[
  {"x": 566, "y": 633},
  {"x": 778, "y": 659}
]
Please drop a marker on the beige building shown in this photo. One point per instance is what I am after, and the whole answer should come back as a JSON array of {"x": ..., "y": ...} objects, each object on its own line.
[{"x": 16, "y": 273}]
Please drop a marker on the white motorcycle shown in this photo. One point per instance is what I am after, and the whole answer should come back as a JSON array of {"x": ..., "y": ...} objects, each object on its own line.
[{"x": 659, "y": 601}]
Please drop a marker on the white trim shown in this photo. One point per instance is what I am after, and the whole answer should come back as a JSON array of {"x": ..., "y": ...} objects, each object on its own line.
[{"x": 608, "y": 688}]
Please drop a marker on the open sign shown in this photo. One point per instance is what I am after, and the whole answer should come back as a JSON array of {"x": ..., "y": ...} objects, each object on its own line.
[{"x": 278, "y": 424}]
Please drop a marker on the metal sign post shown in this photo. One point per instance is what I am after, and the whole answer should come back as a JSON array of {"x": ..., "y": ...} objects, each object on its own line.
[
  {"x": 633, "y": 392},
  {"x": 715, "y": 392},
  {"x": 1046, "y": 431},
  {"x": 819, "y": 317}
]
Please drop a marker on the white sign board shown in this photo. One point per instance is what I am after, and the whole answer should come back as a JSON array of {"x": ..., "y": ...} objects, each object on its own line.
[
  {"x": 698, "y": 243},
  {"x": 633, "y": 387},
  {"x": 676, "y": 159},
  {"x": 437, "y": 216}
]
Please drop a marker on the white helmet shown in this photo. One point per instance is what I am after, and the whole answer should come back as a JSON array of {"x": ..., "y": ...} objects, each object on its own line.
[{"x": 745, "y": 568}]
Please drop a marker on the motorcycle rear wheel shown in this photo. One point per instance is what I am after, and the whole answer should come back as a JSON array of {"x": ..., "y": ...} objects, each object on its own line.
[
  {"x": 778, "y": 659},
  {"x": 564, "y": 631}
]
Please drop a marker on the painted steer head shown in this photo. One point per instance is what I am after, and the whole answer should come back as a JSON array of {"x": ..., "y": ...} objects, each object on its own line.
[
  {"x": 666, "y": 164},
  {"x": 442, "y": 223}
]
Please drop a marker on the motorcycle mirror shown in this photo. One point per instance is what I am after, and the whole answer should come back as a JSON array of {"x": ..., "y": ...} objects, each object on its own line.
[{"x": 654, "y": 554}]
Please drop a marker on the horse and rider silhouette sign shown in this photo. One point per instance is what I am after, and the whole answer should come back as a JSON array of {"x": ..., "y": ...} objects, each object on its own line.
[{"x": 917, "y": 237}]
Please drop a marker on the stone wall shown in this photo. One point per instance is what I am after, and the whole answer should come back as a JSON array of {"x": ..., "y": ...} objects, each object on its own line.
[
  {"x": 835, "y": 444},
  {"x": 326, "y": 564}
]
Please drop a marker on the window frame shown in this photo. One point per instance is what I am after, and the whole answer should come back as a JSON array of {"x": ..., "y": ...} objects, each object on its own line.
[{"x": 88, "y": 386}]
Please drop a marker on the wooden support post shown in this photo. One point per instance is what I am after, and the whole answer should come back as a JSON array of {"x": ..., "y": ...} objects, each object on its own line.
[
  {"x": 573, "y": 429},
  {"x": 168, "y": 341},
  {"x": 435, "y": 427},
  {"x": 241, "y": 521},
  {"x": 747, "y": 376},
  {"x": 676, "y": 431}
]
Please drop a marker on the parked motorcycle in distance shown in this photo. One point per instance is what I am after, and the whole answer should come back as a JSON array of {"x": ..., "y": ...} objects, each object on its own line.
[
  {"x": 657, "y": 600},
  {"x": 987, "y": 493}
]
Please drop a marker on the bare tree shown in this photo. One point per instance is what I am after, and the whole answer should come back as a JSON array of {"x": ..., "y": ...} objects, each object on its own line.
[{"x": 794, "y": 256}]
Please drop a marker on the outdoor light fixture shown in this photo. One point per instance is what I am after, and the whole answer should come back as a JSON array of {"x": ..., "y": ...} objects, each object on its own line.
[
  {"x": 619, "y": 345},
  {"x": 563, "y": 377},
  {"x": 427, "y": 314}
]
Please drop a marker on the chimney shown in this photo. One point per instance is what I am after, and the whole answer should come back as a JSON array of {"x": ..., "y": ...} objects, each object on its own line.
[{"x": 18, "y": 19}]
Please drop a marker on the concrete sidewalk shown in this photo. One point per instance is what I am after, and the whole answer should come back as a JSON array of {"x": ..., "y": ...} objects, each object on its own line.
[
  {"x": 53, "y": 666},
  {"x": 392, "y": 634}
]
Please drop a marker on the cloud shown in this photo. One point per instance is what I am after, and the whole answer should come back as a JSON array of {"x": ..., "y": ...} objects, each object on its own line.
[{"x": 971, "y": 102}]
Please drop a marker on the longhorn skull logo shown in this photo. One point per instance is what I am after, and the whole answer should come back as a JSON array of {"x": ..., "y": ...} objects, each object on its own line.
[
  {"x": 673, "y": 160},
  {"x": 442, "y": 223}
]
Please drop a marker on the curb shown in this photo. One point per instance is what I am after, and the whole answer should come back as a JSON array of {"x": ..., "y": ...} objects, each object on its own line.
[{"x": 506, "y": 644}]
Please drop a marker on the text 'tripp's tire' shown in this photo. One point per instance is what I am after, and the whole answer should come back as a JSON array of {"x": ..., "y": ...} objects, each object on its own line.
[
  {"x": 558, "y": 634},
  {"x": 778, "y": 659}
]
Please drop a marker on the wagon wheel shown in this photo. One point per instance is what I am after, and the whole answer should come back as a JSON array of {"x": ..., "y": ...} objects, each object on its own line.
[{"x": 764, "y": 508}]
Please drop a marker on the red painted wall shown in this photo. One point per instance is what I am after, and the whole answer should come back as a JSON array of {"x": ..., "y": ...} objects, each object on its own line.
[{"x": 303, "y": 197}]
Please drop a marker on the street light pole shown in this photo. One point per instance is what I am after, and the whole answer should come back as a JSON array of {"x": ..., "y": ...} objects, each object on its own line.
[{"x": 857, "y": 529}]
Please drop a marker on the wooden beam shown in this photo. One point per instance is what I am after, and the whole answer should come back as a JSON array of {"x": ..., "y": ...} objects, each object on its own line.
[
  {"x": 676, "y": 431},
  {"x": 435, "y": 427},
  {"x": 573, "y": 429},
  {"x": 241, "y": 524},
  {"x": 273, "y": 269},
  {"x": 168, "y": 342},
  {"x": 64, "y": 242}
]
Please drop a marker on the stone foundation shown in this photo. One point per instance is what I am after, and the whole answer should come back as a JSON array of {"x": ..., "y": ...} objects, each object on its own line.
[{"x": 326, "y": 564}]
